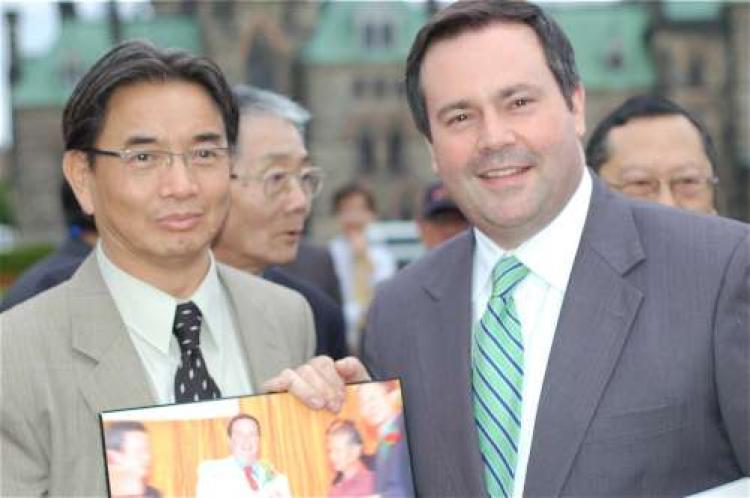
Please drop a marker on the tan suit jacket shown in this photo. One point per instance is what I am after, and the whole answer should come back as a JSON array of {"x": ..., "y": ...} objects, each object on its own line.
[{"x": 66, "y": 356}]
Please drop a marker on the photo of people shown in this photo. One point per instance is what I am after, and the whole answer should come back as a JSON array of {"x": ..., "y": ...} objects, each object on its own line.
[{"x": 264, "y": 446}]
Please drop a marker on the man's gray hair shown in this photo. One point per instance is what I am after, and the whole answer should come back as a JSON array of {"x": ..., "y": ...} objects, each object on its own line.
[{"x": 252, "y": 100}]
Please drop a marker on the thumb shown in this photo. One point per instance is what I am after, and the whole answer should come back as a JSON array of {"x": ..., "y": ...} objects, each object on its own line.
[{"x": 351, "y": 370}]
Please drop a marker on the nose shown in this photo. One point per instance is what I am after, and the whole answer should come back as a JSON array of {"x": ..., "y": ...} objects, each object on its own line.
[
  {"x": 665, "y": 195},
  {"x": 178, "y": 179},
  {"x": 296, "y": 198},
  {"x": 494, "y": 132}
]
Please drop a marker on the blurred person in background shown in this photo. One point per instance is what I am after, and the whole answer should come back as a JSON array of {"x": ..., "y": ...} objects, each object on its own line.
[
  {"x": 360, "y": 263},
  {"x": 440, "y": 218},
  {"x": 272, "y": 190},
  {"x": 651, "y": 148},
  {"x": 128, "y": 453},
  {"x": 345, "y": 454},
  {"x": 58, "y": 266}
]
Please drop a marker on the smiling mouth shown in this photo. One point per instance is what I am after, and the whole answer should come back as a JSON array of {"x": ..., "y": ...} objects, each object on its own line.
[{"x": 505, "y": 172}]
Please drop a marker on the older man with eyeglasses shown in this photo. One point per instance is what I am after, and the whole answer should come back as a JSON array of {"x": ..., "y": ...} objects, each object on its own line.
[
  {"x": 273, "y": 186},
  {"x": 651, "y": 148}
]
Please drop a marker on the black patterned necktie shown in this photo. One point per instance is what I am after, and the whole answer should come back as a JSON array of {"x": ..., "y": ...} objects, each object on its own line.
[{"x": 192, "y": 382}]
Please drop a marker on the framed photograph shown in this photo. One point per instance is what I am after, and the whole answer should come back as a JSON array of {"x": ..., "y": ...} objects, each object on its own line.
[{"x": 268, "y": 445}]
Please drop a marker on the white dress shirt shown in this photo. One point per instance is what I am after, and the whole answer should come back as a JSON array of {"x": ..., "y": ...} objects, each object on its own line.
[
  {"x": 383, "y": 267},
  {"x": 148, "y": 314},
  {"x": 549, "y": 256}
]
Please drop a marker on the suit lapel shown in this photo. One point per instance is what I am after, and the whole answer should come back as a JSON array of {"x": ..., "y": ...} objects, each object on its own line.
[
  {"x": 597, "y": 312},
  {"x": 259, "y": 335},
  {"x": 111, "y": 375},
  {"x": 444, "y": 361}
]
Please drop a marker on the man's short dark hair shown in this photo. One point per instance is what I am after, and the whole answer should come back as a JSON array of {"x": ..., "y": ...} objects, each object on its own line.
[
  {"x": 114, "y": 434},
  {"x": 641, "y": 106},
  {"x": 136, "y": 62},
  {"x": 350, "y": 190},
  {"x": 242, "y": 416},
  {"x": 473, "y": 15}
]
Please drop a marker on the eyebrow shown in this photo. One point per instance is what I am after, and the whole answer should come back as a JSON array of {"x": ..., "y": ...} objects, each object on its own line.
[
  {"x": 208, "y": 137},
  {"x": 150, "y": 140},
  {"x": 139, "y": 140}
]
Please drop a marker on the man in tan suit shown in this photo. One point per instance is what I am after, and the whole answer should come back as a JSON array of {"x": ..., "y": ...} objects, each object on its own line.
[{"x": 150, "y": 317}]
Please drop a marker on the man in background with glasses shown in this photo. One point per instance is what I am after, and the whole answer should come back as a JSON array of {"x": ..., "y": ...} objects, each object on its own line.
[
  {"x": 149, "y": 317},
  {"x": 653, "y": 149},
  {"x": 273, "y": 185}
]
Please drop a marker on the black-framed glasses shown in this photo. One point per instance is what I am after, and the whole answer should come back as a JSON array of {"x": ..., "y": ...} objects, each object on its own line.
[
  {"x": 143, "y": 161},
  {"x": 684, "y": 187},
  {"x": 277, "y": 181}
]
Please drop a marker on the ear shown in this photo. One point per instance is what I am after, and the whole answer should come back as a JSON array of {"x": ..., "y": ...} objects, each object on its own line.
[
  {"x": 80, "y": 177},
  {"x": 578, "y": 99}
]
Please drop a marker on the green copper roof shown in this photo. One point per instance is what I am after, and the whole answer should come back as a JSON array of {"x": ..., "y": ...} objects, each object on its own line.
[
  {"x": 47, "y": 80},
  {"x": 609, "y": 43},
  {"x": 340, "y": 39},
  {"x": 692, "y": 10}
]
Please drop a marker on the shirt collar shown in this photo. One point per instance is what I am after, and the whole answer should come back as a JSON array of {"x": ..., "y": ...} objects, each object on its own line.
[
  {"x": 550, "y": 253},
  {"x": 149, "y": 312}
]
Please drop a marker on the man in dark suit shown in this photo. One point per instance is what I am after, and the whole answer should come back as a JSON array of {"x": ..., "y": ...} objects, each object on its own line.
[
  {"x": 60, "y": 265},
  {"x": 314, "y": 264},
  {"x": 576, "y": 342},
  {"x": 272, "y": 192}
]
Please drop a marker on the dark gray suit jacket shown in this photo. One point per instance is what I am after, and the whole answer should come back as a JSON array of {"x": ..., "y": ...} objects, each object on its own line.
[
  {"x": 647, "y": 387},
  {"x": 315, "y": 265}
]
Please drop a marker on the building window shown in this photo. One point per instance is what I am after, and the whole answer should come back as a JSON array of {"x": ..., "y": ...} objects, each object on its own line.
[
  {"x": 366, "y": 152},
  {"x": 358, "y": 87},
  {"x": 260, "y": 64},
  {"x": 377, "y": 35},
  {"x": 396, "y": 151},
  {"x": 387, "y": 35},
  {"x": 696, "y": 73},
  {"x": 614, "y": 57},
  {"x": 370, "y": 36}
]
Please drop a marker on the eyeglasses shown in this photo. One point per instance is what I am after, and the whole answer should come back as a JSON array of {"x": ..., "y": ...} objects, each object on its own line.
[
  {"x": 145, "y": 161},
  {"x": 683, "y": 187},
  {"x": 277, "y": 181}
]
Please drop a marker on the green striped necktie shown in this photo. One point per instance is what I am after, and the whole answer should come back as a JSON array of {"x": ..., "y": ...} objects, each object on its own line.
[{"x": 497, "y": 378}]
